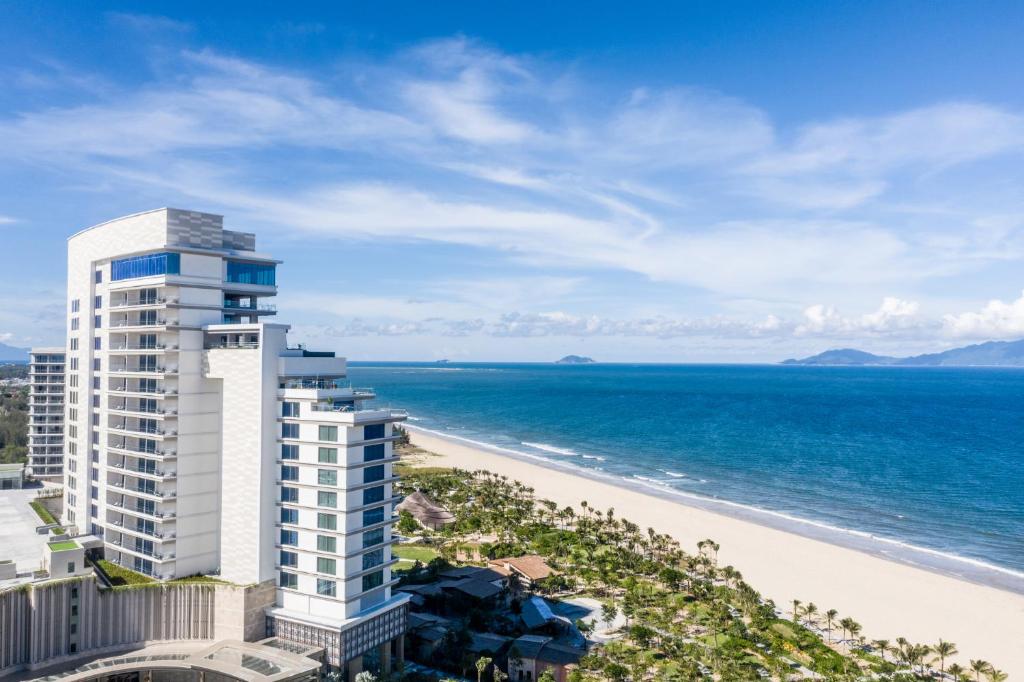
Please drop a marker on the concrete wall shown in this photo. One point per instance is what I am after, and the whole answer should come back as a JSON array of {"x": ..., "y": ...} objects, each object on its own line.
[{"x": 39, "y": 626}]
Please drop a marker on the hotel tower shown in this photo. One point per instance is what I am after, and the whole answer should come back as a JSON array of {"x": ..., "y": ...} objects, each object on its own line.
[
  {"x": 199, "y": 442},
  {"x": 46, "y": 413}
]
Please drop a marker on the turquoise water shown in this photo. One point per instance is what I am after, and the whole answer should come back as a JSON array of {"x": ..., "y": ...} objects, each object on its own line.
[{"x": 930, "y": 457}]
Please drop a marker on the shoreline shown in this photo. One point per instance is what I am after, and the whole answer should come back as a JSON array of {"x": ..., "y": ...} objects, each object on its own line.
[{"x": 891, "y": 594}]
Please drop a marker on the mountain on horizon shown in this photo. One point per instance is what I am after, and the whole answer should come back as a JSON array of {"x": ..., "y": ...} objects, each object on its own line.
[
  {"x": 13, "y": 354},
  {"x": 988, "y": 354}
]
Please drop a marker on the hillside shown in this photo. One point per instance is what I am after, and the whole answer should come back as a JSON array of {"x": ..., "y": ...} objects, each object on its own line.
[{"x": 989, "y": 354}]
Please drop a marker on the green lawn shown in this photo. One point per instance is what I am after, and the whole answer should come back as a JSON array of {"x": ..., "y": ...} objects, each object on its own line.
[
  {"x": 123, "y": 576},
  {"x": 200, "y": 579},
  {"x": 412, "y": 553},
  {"x": 44, "y": 515},
  {"x": 61, "y": 546}
]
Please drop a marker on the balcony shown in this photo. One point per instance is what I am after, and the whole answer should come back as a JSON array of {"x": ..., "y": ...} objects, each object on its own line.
[
  {"x": 348, "y": 414},
  {"x": 141, "y": 551},
  {"x": 142, "y": 472},
  {"x": 144, "y": 369},
  {"x": 128, "y": 489},
  {"x": 164, "y": 536},
  {"x": 132, "y": 509},
  {"x": 156, "y": 392},
  {"x": 133, "y": 429},
  {"x": 143, "y": 324},
  {"x": 157, "y": 412},
  {"x": 265, "y": 308},
  {"x": 143, "y": 347},
  {"x": 135, "y": 450},
  {"x": 142, "y": 302}
]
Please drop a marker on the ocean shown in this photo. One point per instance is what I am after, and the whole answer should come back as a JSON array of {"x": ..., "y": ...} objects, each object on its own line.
[{"x": 923, "y": 465}]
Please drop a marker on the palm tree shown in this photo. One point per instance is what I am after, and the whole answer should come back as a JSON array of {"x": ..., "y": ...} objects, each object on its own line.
[
  {"x": 796, "y": 610},
  {"x": 481, "y": 667},
  {"x": 830, "y": 616},
  {"x": 882, "y": 645},
  {"x": 846, "y": 624},
  {"x": 943, "y": 650},
  {"x": 810, "y": 613},
  {"x": 956, "y": 671},
  {"x": 978, "y": 667},
  {"x": 996, "y": 675}
]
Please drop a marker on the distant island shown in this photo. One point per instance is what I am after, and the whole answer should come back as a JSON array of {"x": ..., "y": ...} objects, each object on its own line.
[
  {"x": 575, "y": 360},
  {"x": 990, "y": 354}
]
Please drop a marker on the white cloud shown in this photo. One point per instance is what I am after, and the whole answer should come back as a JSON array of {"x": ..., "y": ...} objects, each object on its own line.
[
  {"x": 894, "y": 315},
  {"x": 997, "y": 320}
]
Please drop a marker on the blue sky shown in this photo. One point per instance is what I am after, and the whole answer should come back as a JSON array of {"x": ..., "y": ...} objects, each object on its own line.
[{"x": 517, "y": 181}]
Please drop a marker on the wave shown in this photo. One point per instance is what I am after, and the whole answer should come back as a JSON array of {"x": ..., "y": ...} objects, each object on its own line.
[
  {"x": 673, "y": 474},
  {"x": 551, "y": 448},
  {"x": 597, "y": 457},
  {"x": 662, "y": 488}
]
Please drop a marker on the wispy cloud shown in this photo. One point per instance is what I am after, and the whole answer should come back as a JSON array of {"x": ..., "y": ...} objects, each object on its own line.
[{"x": 454, "y": 143}]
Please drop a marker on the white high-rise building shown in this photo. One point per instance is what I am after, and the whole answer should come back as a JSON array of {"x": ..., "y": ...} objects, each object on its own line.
[
  {"x": 46, "y": 413},
  {"x": 198, "y": 442}
]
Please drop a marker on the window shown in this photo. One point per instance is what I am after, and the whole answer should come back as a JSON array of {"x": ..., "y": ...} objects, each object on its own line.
[
  {"x": 289, "y": 537},
  {"x": 374, "y": 558},
  {"x": 289, "y": 559},
  {"x": 373, "y": 452},
  {"x": 97, "y": 343},
  {"x": 74, "y": 323},
  {"x": 327, "y": 477},
  {"x": 289, "y": 473},
  {"x": 289, "y": 494},
  {"x": 71, "y": 569},
  {"x": 372, "y": 516},
  {"x": 371, "y": 495},
  {"x": 262, "y": 274},
  {"x": 74, "y": 363},
  {"x": 374, "y": 473},
  {"x": 373, "y": 537},
  {"x": 289, "y": 580},
  {"x": 289, "y": 451},
  {"x": 96, "y": 364},
  {"x": 372, "y": 580},
  {"x": 325, "y": 499},
  {"x": 326, "y": 543},
  {"x": 145, "y": 266},
  {"x": 289, "y": 430},
  {"x": 328, "y": 456},
  {"x": 290, "y": 410},
  {"x": 97, "y": 321},
  {"x": 75, "y": 305},
  {"x": 327, "y": 521},
  {"x": 73, "y": 381},
  {"x": 289, "y": 515},
  {"x": 325, "y": 587},
  {"x": 325, "y": 565},
  {"x": 329, "y": 433},
  {"x": 372, "y": 431},
  {"x": 74, "y": 343},
  {"x": 97, "y": 302},
  {"x": 98, "y": 276},
  {"x": 96, "y": 384}
]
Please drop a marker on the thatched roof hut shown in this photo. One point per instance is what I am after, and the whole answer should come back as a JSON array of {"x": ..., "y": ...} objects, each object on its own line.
[{"x": 426, "y": 511}]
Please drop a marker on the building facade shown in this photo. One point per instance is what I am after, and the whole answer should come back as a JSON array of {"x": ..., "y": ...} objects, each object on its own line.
[
  {"x": 199, "y": 442},
  {"x": 46, "y": 413}
]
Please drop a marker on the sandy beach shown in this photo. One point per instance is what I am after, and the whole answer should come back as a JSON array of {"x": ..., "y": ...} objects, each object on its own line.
[{"x": 889, "y": 599}]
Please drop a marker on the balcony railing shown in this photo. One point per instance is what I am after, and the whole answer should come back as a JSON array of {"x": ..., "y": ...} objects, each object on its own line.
[
  {"x": 259, "y": 308},
  {"x": 144, "y": 346},
  {"x": 133, "y": 509},
  {"x": 159, "y": 390},
  {"x": 231, "y": 344},
  {"x": 135, "y": 449},
  {"x": 142, "y": 471},
  {"x": 143, "y": 369},
  {"x": 154, "y": 533},
  {"x": 145, "y": 300},
  {"x": 124, "y": 407},
  {"x": 161, "y": 322},
  {"x": 147, "y": 430}
]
